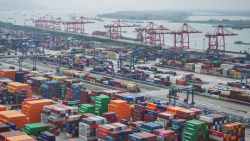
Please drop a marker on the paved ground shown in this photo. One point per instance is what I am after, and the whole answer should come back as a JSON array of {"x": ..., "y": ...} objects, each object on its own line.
[
  {"x": 161, "y": 93},
  {"x": 223, "y": 106}
]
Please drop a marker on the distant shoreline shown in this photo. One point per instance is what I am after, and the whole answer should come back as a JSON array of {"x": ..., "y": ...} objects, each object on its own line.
[{"x": 177, "y": 17}]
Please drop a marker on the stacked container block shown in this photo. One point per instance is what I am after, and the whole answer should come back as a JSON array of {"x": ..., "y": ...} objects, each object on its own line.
[
  {"x": 101, "y": 104},
  {"x": 56, "y": 115},
  {"x": 195, "y": 130},
  {"x": 32, "y": 108},
  {"x": 13, "y": 116},
  {"x": 77, "y": 90},
  {"x": 71, "y": 126},
  {"x": 142, "y": 136},
  {"x": 86, "y": 108},
  {"x": 122, "y": 109},
  {"x": 234, "y": 131},
  {"x": 138, "y": 113},
  {"x": 150, "y": 126},
  {"x": 110, "y": 116},
  {"x": 8, "y": 73},
  {"x": 35, "y": 129},
  {"x": 50, "y": 89},
  {"x": 215, "y": 121},
  {"x": 88, "y": 127},
  {"x": 165, "y": 118},
  {"x": 165, "y": 135},
  {"x": 108, "y": 131},
  {"x": 14, "y": 92}
]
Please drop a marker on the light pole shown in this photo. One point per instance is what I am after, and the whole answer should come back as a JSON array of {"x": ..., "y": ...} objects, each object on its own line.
[{"x": 204, "y": 45}]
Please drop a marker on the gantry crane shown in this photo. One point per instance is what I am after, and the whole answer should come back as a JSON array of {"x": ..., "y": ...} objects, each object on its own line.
[
  {"x": 182, "y": 36},
  {"x": 173, "y": 95},
  {"x": 22, "y": 57},
  {"x": 48, "y": 22},
  {"x": 56, "y": 24},
  {"x": 76, "y": 25},
  {"x": 216, "y": 38},
  {"x": 44, "y": 22},
  {"x": 153, "y": 34},
  {"x": 115, "y": 29}
]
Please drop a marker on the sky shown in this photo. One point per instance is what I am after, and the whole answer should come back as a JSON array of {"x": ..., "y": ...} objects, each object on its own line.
[{"x": 115, "y": 5}]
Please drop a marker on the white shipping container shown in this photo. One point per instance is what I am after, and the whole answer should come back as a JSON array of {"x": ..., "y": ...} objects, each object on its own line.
[
  {"x": 29, "y": 81},
  {"x": 197, "y": 69},
  {"x": 44, "y": 118},
  {"x": 227, "y": 66},
  {"x": 149, "y": 80},
  {"x": 74, "y": 117},
  {"x": 157, "y": 79},
  {"x": 148, "y": 72},
  {"x": 151, "y": 76},
  {"x": 88, "y": 138},
  {"x": 105, "y": 82},
  {"x": 216, "y": 137},
  {"x": 199, "y": 65},
  {"x": 173, "y": 79},
  {"x": 162, "y": 120},
  {"x": 99, "y": 120},
  {"x": 180, "y": 77},
  {"x": 191, "y": 113},
  {"x": 225, "y": 72},
  {"x": 205, "y": 118},
  {"x": 157, "y": 60},
  {"x": 163, "y": 75},
  {"x": 247, "y": 62},
  {"x": 121, "y": 125}
]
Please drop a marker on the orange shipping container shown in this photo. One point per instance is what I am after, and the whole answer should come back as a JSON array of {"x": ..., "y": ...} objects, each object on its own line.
[
  {"x": 7, "y": 73},
  {"x": 3, "y": 108},
  {"x": 13, "y": 116},
  {"x": 16, "y": 87},
  {"x": 151, "y": 106},
  {"x": 20, "y": 138},
  {"x": 233, "y": 126},
  {"x": 32, "y": 109},
  {"x": 122, "y": 109},
  {"x": 174, "y": 110}
]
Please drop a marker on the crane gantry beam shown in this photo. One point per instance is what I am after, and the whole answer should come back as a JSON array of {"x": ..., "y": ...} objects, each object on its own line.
[
  {"x": 216, "y": 38},
  {"x": 182, "y": 36},
  {"x": 153, "y": 34},
  {"x": 115, "y": 29},
  {"x": 76, "y": 25}
]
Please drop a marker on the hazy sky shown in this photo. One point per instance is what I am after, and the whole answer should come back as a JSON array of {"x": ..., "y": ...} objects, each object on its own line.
[{"x": 113, "y": 5}]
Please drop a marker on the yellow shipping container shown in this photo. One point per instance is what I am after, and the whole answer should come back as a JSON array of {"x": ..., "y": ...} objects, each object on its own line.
[
  {"x": 59, "y": 78},
  {"x": 238, "y": 75}
]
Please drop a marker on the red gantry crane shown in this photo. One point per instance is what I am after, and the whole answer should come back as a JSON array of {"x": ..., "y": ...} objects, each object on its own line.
[
  {"x": 115, "y": 29},
  {"x": 182, "y": 36},
  {"x": 56, "y": 24},
  {"x": 216, "y": 39},
  {"x": 76, "y": 25},
  {"x": 152, "y": 34},
  {"x": 43, "y": 22},
  {"x": 48, "y": 22}
]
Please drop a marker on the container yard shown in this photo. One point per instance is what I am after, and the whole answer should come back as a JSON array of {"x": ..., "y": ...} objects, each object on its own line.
[{"x": 60, "y": 83}]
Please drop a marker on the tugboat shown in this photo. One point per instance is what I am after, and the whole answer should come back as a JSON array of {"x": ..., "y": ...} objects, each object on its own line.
[{"x": 241, "y": 43}]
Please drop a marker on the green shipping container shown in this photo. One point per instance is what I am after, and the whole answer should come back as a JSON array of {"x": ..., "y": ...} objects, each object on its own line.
[
  {"x": 101, "y": 104},
  {"x": 35, "y": 128},
  {"x": 195, "y": 130},
  {"x": 86, "y": 108}
]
